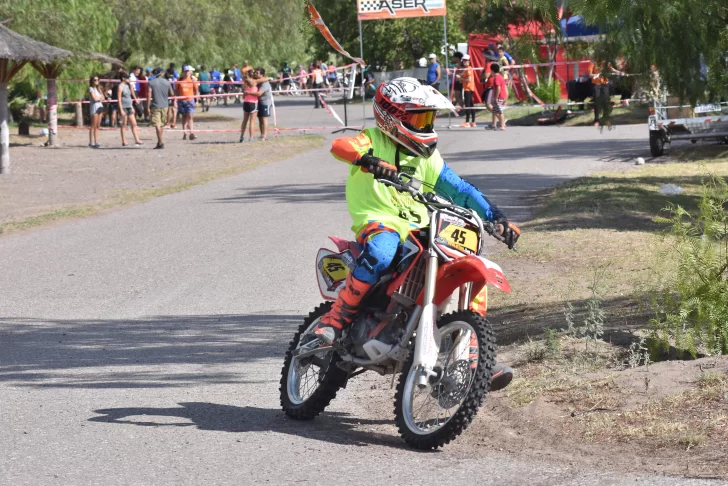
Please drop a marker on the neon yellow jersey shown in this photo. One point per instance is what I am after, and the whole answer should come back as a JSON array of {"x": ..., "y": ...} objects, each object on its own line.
[{"x": 369, "y": 200}]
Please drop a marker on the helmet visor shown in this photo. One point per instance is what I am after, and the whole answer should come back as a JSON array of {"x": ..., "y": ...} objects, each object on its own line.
[{"x": 423, "y": 121}]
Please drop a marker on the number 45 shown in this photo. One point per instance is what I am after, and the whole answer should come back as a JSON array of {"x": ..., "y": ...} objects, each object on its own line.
[{"x": 458, "y": 236}]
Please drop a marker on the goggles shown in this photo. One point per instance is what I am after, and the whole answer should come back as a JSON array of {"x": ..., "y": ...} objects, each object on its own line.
[{"x": 422, "y": 121}]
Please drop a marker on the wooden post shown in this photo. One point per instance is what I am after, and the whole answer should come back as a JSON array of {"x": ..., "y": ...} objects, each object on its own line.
[
  {"x": 4, "y": 130},
  {"x": 52, "y": 112},
  {"x": 79, "y": 115}
]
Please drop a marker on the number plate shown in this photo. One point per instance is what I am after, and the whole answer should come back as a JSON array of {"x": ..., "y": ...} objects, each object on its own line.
[
  {"x": 457, "y": 234},
  {"x": 707, "y": 108}
]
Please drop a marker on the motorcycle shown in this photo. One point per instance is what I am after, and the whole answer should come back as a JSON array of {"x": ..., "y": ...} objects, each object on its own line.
[{"x": 416, "y": 322}]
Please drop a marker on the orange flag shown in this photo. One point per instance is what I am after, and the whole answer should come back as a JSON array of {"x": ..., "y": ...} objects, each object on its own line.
[{"x": 318, "y": 22}]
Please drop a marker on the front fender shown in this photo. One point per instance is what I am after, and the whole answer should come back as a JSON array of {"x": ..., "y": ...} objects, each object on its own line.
[{"x": 478, "y": 270}]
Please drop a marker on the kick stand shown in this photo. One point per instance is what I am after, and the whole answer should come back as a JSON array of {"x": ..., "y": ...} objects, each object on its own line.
[{"x": 346, "y": 120}]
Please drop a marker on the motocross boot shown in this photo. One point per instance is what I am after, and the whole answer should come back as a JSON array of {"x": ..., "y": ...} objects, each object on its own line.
[
  {"x": 343, "y": 311},
  {"x": 502, "y": 376}
]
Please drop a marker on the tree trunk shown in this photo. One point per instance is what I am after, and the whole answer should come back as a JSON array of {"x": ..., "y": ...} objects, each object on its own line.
[
  {"x": 4, "y": 133},
  {"x": 52, "y": 112},
  {"x": 79, "y": 115}
]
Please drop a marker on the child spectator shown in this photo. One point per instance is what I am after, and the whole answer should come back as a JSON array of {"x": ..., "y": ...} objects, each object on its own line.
[
  {"x": 467, "y": 78},
  {"x": 187, "y": 92},
  {"x": 96, "y": 98}
]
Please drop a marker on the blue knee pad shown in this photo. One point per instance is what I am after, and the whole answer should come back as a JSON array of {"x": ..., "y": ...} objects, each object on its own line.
[{"x": 377, "y": 257}]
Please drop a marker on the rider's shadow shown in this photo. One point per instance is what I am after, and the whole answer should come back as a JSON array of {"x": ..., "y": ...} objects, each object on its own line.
[{"x": 339, "y": 428}]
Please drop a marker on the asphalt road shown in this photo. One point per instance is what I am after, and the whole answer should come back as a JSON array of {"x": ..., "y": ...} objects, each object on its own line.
[{"x": 144, "y": 346}]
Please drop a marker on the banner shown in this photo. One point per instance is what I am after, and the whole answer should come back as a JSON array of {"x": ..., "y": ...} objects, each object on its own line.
[
  {"x": 318, "y": 22},
  {"x": 399, "y": 9}
]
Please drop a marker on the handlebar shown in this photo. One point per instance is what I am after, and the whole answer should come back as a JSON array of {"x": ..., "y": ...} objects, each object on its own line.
[{"x": 431, "y": 200}]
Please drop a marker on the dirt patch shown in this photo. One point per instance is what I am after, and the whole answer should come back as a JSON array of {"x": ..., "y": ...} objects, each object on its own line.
[
  {"x": 74, "y": 180},
  {"x": 594, "y": 247},
  {"x": 670, "y": 417}
]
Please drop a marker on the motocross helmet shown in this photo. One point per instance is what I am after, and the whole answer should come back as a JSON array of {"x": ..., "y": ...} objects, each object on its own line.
[{"x": 405, "y": 111}]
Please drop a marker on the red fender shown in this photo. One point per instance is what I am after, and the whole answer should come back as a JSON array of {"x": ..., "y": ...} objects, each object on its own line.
[{"x": 466, "y": 269}]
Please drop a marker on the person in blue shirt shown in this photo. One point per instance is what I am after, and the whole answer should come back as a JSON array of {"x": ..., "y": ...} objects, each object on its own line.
[
  {"x": 433, "y": 72},
  {"x": 215, "y": 77},
  {"x": 237, "y": 75},
  {"x": 173, "y": 71}
]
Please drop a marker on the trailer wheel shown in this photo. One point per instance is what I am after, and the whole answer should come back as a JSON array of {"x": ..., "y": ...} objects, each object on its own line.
[
  {"x": 657, "y": 144},
  {"x": 693, "y": 141}
]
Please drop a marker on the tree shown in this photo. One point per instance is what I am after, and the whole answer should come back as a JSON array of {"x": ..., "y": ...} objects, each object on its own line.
[
  {"x": 196, "y": 31},
  {"x": 686, "y": 39},
  {"x": 529, "y": 16}
]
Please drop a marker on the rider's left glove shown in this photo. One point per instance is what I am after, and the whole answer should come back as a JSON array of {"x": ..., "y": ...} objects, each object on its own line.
[
  {"x": 378, "y": 168},
  {"x": 510, "y": 233}
]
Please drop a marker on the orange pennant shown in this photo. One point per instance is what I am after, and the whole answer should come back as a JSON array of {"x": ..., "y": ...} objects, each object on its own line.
[{"x": 318, "y": 22}]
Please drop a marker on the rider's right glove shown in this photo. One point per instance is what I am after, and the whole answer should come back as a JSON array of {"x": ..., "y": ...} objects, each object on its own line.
[
  {"x": 377, "y": 167},
  {"x": 511, "y": 232}
]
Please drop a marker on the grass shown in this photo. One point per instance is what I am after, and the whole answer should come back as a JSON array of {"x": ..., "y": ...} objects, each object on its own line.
[{"x": 124, "y": 198}]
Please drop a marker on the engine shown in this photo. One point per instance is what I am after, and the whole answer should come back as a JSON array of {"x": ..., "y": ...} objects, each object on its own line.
[{"x": 365, "y": 325}]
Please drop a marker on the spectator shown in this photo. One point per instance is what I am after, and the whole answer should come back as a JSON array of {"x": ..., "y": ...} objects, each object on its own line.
[
  {"x": 113, "y": 95},
  {"x": 246, "y": 67},
  {"x": 286, "y": 75},
  {"x": 318, "y": 82},
  {"x": 302, "y": 77},
  {"x": 187, "y": 92},
  {"x": 433, "y": 72},
  {"x": 175, "y": 74},
  {"x": 331, "y": 76},
  {"x": 500, "y": 95},
  {"x": 369, "y": 81},
  {"x": 457, "y": 92},
  {"x": 205, "y": 89},
  {"x": 215, "y": 77},
  {"x": 41, "y": 100},
  {"x": 505, "y": 60},
  {"x": 158, "y": 95},
  {"x": 468, "y": 82},
  {"x": 491, "y": 54},
  {"x": 227, "y": 85},
  {"x": 142, "y": 95},
  {"x": 601, "y": 90},
  {"x": 265, "y": 102},
  {"x": 96, "y": 111},
  {"x": 172, "y": 109},
  {"x": 250, "y": 105},
  {"x": 126, "y": 98}
]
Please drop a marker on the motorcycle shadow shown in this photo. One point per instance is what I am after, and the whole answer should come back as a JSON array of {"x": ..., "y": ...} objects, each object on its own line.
[{"x": 331, "y": 427}]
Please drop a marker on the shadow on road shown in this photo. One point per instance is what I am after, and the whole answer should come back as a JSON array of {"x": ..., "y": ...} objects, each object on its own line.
[
  {"x": 290, "y": 193},
  {"x": 337, "y": 428},
  {"x": 138, "y": 353}
]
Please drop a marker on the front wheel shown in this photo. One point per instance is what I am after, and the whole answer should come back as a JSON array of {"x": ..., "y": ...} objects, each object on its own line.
[
  {"x": 308, "y": 385},
  {"x": 431, "y": 416}
]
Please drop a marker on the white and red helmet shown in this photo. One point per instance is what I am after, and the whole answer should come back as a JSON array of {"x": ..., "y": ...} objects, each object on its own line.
[{"x": 405, "y": 111}]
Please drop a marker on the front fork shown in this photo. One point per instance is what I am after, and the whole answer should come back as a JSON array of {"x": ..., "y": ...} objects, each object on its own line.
[{"x": 427, "y": 341}]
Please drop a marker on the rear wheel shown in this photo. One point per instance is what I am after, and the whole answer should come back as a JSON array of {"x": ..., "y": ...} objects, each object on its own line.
[
  {"x": 657, "y": 144},
  {"x": 432, "y": 416},
  {"x": 308, "y": 385}
]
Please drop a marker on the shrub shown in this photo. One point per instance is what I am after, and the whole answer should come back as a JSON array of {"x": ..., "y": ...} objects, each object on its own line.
[
  {"x": 548, "y": 92},
  {"x": 696, "y": 305}
]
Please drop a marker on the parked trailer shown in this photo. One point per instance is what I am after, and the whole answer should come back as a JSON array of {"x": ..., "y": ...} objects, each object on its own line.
[{"x": 713, "y": 124}]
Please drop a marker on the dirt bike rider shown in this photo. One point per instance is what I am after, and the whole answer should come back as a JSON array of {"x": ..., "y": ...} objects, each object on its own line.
[{"x": 405, "y": 113}]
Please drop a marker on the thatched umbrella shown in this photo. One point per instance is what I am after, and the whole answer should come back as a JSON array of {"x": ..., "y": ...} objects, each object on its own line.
[{"x": 15, "y": 51}]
